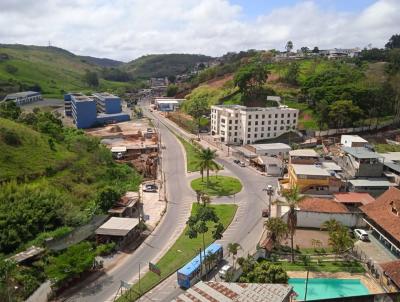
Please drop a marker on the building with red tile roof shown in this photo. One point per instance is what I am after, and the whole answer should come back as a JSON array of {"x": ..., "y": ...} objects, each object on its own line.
[
  {"x": 322, "y": 205},
  {"x": 353, "y": 198},
  {"x": 392, "y": 271},
  {"x": 383, "y": 216}
]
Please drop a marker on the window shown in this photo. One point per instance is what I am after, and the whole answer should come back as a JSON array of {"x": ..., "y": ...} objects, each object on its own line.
[
  {"x": 294, "y": 115},
  {"x": 236, "y": 121},
  {"x": 236, "y": 127},
  {"x": 230, "y": 121},
  {"x": 249, "y": 117},
  {"x": 249, "y": 123},
  {"x": 263, "y": 116},
  {"x": 235, "y": 133},
  {"x": 262, "y": 123},
  {"x": 269, "y": 128},
  {"x": 282, "y": 115},
  {"x": 269, "y": 115},
  {"x": 223, "y": 120},
  {"x": 248, "y": 135},
  {"x": 288, "y": 121},
  {"x": 256, "y": 129},
  {"x": 269, "y": 122},
  {"x": 256, "y": 115},
  {"x": 268, "y": 134},
  {"x": 282, "y": 127},
  {"x": 262, "y": 128},
  {"x": 276, "y": 115},
  {"x": 236, "y": 115},
  {"x": 275, "y": 128},
  {"x": 262, "y": 134},
  {"x": 248, "y": 141},
  {"x": 256, "y": 123},
  {"x": 255, "y": 135},
  {"x": 230, "y": 128},
  {"x": 234, "y": 140},
  {"x": 248, "y": 129},
  {"x": 276, "y": 122}
]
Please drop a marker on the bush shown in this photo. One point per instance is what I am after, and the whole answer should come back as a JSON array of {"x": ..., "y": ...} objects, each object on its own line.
[
  {"x": 106, "y": 249},
  {"x": 11, "y": 69},
  {"x": 10, "y": 137}
]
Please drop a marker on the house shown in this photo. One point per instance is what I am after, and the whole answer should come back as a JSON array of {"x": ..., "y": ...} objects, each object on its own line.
[
  {"x": 353, "y": 199},
  {"x": 331, "y": 166},
  {"x": 391, "y": 166},
  {"x": 360, "y": 162},
  {"x": 238, "y": 125},
  {"x": 271, "y": 165},
  {"x": 313, "y": 179},
  {"x": 89, "y": 111},
  {"x": 168, "y": 104},
  {"x": 278, "y": 149},
  {"x": 353, "y": 141},
  {"x": 213, "y": 291},
  {"x": 313, "y": 212},
  {"x": 25, "y": 97},
  {"x": 119, "y": 230},
  {"x": 127, "y": 206},
  {"x": 383, "y": 218},
  {"x": 373, "y": 186},
  {"x": 303, "y": 157},
  {"x": 391, "y": 272}
]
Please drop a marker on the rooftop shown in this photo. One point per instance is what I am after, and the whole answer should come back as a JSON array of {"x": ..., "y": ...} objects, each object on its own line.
[
  {"x": 276, "y": 146},
  {"x": 304, "y": 153},
  {"x": 354, "y": 138},
  {"x": 251, "y": 109},
  {"x": 236, "y": 292},
  {"x": 167, "y": 102},
  {"x": 330, "y": 165},
  {"x": 361, "y": 152},
  {"x": 117, "y": 226},
  {"x": 105, "y": 95},
  {"x": 21, "y": 94},
  {"x": 310, "y": 170},
  {"x": 381, "y": 213},
  {"x": 27, "y": 254},
  {"x": 354, "y": 197},
  {"x": 371, "y": 182},
  {"x": 392, "y": 270},
  {"x": 323, "y": 205},
  {"x": 268, "y": 160}
]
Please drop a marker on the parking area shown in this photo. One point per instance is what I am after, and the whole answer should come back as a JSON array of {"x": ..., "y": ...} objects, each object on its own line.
[
  {"x": 304, "y": 238},
  {"x": 153, "y": 205},
  {"x": 375, "y": 250}
]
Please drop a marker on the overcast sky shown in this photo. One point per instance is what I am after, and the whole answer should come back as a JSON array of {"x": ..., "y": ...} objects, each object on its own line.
[{"x": 127, "y": 29}]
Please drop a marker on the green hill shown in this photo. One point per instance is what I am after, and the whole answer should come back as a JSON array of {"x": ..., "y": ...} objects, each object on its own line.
[
  {"x": 163, "y": 65},
  {"x": 51, "y": 69},
  {"x": 25, "y": 152}
]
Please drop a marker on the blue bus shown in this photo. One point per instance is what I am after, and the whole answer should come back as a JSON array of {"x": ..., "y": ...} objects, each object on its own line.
[{"x": 195, "y": 269}]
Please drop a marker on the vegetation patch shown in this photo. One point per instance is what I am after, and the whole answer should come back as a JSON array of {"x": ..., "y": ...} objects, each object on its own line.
[
  {"x": 383, "y": 148},
  {"x": 325, "y": 266},
  {"x": 217, "y": 185},
  {"x": 183, "y": 250}
]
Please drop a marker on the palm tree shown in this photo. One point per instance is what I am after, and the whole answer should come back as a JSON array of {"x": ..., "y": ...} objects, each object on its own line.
[
  {"x": 292, "y": 200},
  {"x": 209, "y": 261},
  {"x": 206, "y": 161},
  {"x": 331, "y": 225},
  {"x": 233, "y": 249},
  {"x": 277, "y": 229}
]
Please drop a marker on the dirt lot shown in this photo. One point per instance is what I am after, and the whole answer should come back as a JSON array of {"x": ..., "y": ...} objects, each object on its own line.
[{"x": 303, "y": 238}]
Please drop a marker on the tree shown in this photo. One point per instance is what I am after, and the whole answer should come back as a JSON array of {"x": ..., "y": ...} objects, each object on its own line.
[
  {"x": 11, "y": 69},
  {"x": 331, "y": 225},
  {"x": 305, "y": 50},
  {"x": 340, "y": 240},
  {"x": 199, "y": 221},
  {"x": 343, "y": 113},
  {"x": 107, "y": 198},
  {"x": 233, "y": 249},
  {"x": 289, "y": 47},
  {"x": 172, "y": 90},
  {"x": 277, "y": 228},
  {"x": 265, "y": 272},
  {"x": 315, "y": 49},
  {"x": 322, "y": 109},
  {"x": 7, "y": 273},
  {"x": 198, "y": 107},
  {"x": 91, "y": 78},
  {"x": 394, "y": 42},
  {"x": 394, "y": 61},
  {"x": 292, "y": 200},
  {"x": 206, "y": 161},
  {"x": 251, "y": 77},
  {"x": 9, "y": 110},
  {"x": 292, "y": 74}
]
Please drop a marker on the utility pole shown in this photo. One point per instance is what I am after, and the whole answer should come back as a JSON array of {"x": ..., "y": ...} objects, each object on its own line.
[
  {"x": 201, "y": 266},
  {"x": 270, "y": 192},
  {"x": 305, "y": 293}
]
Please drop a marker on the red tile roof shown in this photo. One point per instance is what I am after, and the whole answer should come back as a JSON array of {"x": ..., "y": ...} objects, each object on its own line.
[
  {"x": 354, "y": 197},
  {"x": 381, "y": 213},
  {"x": 392, "y": 269},
  {"x": 323, "y": 205}
]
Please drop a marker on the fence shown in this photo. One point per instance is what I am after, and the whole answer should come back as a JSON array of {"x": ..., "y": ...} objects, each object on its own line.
[{"x": 352, "y": 130}]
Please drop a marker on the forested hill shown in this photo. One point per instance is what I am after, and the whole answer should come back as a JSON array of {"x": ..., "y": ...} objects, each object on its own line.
[{"x": 163, "y": 65}]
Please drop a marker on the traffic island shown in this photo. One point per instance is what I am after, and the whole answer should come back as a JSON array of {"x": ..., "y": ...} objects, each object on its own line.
[{"x": 217, "y": 185}]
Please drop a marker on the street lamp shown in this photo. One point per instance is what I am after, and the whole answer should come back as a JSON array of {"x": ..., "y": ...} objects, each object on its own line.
[{"x": 270, "y": 192}]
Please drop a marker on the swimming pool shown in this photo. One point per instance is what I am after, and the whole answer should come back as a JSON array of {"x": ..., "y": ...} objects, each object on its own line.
[{"x": 324, "y": 288}]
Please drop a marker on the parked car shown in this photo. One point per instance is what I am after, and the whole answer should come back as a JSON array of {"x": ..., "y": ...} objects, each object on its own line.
[
  {"x": 242, "y": 164},
  {"x": 226, "y": 269},
  {"x": 361, "y": 234},
  {"x": 236, "y": 161},
  {"x": 150, "y": 188}
]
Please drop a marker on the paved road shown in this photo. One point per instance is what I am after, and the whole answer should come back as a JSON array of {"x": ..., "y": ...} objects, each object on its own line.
[
  {"x": 180, "y": 198},
  {"x": 247, "y": 227}
]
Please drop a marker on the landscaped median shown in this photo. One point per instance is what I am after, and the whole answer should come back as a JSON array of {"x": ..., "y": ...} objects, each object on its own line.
[
  {"x": 217, "y": 185},
  {"x": 183, "y": 250},
  {"x": 192, "y": 155}
]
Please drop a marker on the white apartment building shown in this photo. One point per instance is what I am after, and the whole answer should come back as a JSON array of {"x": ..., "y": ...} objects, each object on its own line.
[{"x": 239, "y": 125}]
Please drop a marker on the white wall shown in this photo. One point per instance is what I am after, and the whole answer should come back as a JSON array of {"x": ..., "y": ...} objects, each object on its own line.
[{"x": 316, "y": 219}]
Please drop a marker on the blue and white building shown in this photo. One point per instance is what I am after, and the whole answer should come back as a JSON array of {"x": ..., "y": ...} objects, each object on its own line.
[
  {"x": 24, "y": 97},
  {"x": 98, "y": 109}
]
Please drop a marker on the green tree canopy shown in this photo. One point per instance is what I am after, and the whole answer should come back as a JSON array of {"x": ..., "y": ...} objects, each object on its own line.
[
  {"x": 394, "y": 42},
  {"x": 265, "y": 272},
  {"x": 251, "y": 77},
  {"x": 107, "y": 198},
  {"x": 277, "y": 229},
  {"x": 343, "y": 113},
  {"x": 91, "y": 78},
  {"x": 9, "y": 110}
]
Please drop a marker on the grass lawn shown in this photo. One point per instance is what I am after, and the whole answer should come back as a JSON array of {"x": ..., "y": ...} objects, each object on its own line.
[
  {"x": 307, "y": 119},
  {"x": 383, "y": 148},
  {"x": 218, "y": 185},
  {"x": 326, "y": 266},
  {"x": 183, "y": 250},
  {"x": 192, "y": 155}
]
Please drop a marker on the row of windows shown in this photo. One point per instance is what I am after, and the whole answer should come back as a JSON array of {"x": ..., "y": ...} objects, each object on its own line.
[
  {"x": 269, "y": 122},
  {"x": 270, "y": 115},
  {"x": 263, "y": 129}
]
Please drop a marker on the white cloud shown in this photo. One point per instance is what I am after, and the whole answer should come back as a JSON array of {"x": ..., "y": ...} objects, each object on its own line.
[{"x": 125, "y": 29}]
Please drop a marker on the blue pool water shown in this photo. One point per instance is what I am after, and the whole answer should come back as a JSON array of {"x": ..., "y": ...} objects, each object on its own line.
[{"x": 324, "y": 288}]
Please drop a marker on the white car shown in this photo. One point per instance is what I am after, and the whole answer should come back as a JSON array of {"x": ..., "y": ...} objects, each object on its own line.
[
  {"x": 361, "y": 234},
  {"x": 226, "y": 269}
]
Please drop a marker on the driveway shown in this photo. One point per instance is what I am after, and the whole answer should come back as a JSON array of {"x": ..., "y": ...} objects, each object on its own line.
[{"x": 375, "y": 250}]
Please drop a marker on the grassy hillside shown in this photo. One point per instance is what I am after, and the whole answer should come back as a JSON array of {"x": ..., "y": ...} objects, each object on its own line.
[
  {"x": 25, "y": 152},
  {"x": 53, "y": 69},
  {"x": 163, "y": 65}
]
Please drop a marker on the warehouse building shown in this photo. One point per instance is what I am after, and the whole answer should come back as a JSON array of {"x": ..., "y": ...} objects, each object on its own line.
[{"x": 238, "y": 125}]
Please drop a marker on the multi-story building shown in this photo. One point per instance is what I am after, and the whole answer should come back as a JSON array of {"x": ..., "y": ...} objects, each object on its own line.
[
  {"x": 88, "y": 111},
  {"x": 360, "y": 162},
  {"x": 238, "y": 125}
]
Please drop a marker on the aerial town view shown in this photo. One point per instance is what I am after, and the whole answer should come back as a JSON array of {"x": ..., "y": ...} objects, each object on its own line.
[{"x": 200, "y": 151}]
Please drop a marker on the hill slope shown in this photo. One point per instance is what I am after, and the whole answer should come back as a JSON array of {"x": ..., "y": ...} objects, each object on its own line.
[
  {"x": 103, "y": 62},
  {"x": 163, "y": 65},
  {"x": 53, "y": 70}
]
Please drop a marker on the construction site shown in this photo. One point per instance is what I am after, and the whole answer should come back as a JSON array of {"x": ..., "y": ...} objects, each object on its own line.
[{"x": 133, "y": 142}]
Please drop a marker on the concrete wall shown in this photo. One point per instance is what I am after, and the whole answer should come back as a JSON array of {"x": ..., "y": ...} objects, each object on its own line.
[
  {"x": 41, "y": 294},
  {"x": 316, "y": 219}
]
